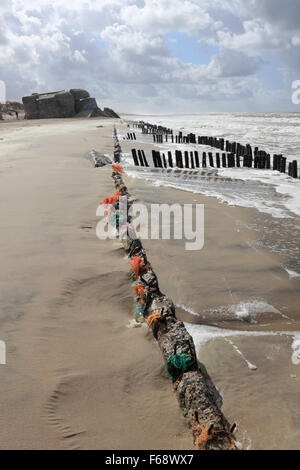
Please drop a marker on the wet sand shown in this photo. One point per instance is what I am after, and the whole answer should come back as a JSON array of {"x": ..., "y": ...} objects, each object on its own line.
[
  {"x": 231, "y": 269},
  {"x": 76, "y": 376}
]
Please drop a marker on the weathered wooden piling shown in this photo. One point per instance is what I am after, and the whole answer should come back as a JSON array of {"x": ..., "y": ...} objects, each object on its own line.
[
  {"x": 294, "y": 169},
  {"x": 154, "y": 157},
  {"x": 159, "y": 160},
  {"x": 192, "y": 160},
  {"x": 141, "y": 160},
  {"x": 197, "y": 159},
  {"x": 164, "y": 160},
  {"x": 179, "y": 161},
  {"x": 230, "y": 160},
  {"x": 135, "y": 157},
  {"x": 259, "y": 159},
  {"x": 144, "y": 158},
  {"x": 186, "y": 159},
  {"x": 224, "y": 160},
  {"x": 282, "y": 164}
]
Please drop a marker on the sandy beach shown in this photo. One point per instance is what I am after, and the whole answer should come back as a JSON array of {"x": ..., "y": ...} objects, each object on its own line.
[{"x": 76, "y": 376}]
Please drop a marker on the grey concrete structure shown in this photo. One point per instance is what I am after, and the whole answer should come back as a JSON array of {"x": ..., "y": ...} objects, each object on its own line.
[{"x": 63, "y": 104}]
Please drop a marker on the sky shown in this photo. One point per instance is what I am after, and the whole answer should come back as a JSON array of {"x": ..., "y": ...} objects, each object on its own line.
[{"x": 155, "y": 56}]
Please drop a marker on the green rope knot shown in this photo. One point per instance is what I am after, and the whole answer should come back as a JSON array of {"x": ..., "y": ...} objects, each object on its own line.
[{"x": 179, "y": 361}]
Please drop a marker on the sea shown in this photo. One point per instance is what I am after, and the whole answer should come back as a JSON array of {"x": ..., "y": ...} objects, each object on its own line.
[{"x": 267, "y": 191}]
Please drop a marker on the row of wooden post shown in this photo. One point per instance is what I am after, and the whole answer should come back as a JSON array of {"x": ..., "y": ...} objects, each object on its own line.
[
  {"x": 148, "y": 128},
  {"x": 131, "y": 136},
  {"x": 234, "y": 152},
  {"x": 293, "y": 169},
  {"x": 139, "y": 158},
  {"x": 191, "y": 160}
]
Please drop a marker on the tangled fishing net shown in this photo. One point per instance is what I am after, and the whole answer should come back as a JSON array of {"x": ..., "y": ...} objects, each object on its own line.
[
  {"x": 180, "y": 362},
  {"x": 153, "y": 317},
  {"x": 141, "y": 296},
  {"x": 136, "y": 264},
  {"x": 109, "y": 202},
  {"x": 118, "y": 168}
]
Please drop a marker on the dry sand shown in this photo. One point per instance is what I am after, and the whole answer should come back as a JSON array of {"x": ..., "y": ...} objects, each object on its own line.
[{"x": 76, "y": 376}]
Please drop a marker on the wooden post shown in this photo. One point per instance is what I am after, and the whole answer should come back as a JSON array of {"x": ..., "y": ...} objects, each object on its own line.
[
  {"x": 192, "y": 161},
  {"x": 224, "y": 160},
  {"x": 211, "y": 160},
  {"x": 218, "y": 160},
  {"x": 170, "y": 159},
  {"x": 135, "y": 158},
  {"x": 282, "y": 164},
  {"x": 154, "y": 156},
  {"x": 295, "y": 169},
  {"x": 145, "y": 159},
  {"x": 159, "y": 160},
  {"x": 186, "y": 157},
  {"x": 140, "y": 158},
  {"x": 197, "y": 159},
  {"x": 204, "y": 160},
  {"x": 179, "y": 162},
  {"x": 164, "y": 160},
  {"x": 232, "y": 160}
]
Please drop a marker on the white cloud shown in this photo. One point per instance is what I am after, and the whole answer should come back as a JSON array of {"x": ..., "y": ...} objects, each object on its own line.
[
  {"x": 257, "y": 36},
  {"x": 163, "y": 16},
  {"x": 117, "y": 49}
]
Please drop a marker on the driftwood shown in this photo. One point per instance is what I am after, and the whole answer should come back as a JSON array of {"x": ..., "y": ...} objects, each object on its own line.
[{"x": 195, "y": 392}]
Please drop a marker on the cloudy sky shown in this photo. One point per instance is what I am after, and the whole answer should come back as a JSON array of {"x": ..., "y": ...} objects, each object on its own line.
[{"x": 155, "y": 55}]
